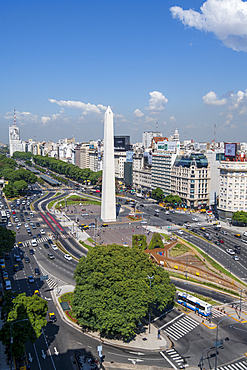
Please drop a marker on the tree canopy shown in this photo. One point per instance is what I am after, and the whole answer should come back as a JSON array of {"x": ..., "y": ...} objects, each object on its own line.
[
  {"x": 22, "y": 155},
  {"x": 240, "y": 216},
  {"x": 156, "y": 241},
  {"x": 173, "y": 199},
  {"x": 112, "y": 290},
  {"x": 31, "y": 309},
  {"x": 7, "y": 240},
  {"x": 157, "y": 193}
]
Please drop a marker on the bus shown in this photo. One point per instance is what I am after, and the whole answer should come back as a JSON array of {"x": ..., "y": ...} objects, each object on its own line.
[
  {"x": 194, "y": 304},
  {"x": 3, "y": 216}
]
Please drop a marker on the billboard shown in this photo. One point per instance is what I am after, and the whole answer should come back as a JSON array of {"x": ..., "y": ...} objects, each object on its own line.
[
  {"x": 230, "y": 149},
  {"x": 129, "y": 156},
  {"x": 119, "y": 142},
  {"x": 167, "y": 146}
]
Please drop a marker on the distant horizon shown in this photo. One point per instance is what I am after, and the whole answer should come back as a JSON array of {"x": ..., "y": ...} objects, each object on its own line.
[{"x": 175, "y": 63}]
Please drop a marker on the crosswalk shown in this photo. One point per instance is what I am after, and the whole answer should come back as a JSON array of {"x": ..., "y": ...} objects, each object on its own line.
[
  {"x": 241, "y": 365},
  {"x": 174, "y": 356},
  {"x": 217, "y": 313},
  {"x": 52, "y": 284},
  {"x": 27, "y": 243},
  {"x": 180, "y": 327},
  {"x": 243, "y": 306}
]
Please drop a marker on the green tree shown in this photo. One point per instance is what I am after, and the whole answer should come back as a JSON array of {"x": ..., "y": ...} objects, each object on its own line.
[
  {"x": 157, "y": 193},
  {"x": 9, "y": 191},
  {"x": 33, "y": 309},
  {"x": 240, "y": 216},
  {"x": 7, "y": 240},
  {"x": 20, "y": 185},
  {"x": 41, "y": 181},
  {"x": 156, "y": 241},
  {"x": 139, "y": 241},
  {"x": 173, "y": 199},
  {"x": 112, "y": 290}
]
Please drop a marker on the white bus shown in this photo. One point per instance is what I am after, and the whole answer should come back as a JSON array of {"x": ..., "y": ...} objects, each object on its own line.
[
  {"x": 194, "y": 304},
  {"x": 3, "y": 216}
]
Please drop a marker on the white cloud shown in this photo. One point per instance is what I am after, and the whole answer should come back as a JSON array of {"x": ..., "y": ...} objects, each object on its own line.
[
  {"x": 119, "y": 116},
  {"x": 45, "y": 119},
  {"x": 78, "y": 105},
  {"x": 238, "y": 99},
  {"x": 227, "y": 19},
  {"x": 138, "y": 113},
  {"x": 149, "y": 119},
  {"x": 157, "y": 102},
  {"x": 211, "y": 99},
  {"x": 22, "y": 118},
  {"x": 173, "y": 119},
  {"x": 233, "y": 126}
]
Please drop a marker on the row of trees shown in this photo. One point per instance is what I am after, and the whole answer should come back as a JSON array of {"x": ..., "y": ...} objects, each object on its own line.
[
  {"x": 240, "y": 216},
  {"x": 171, "y": 199},
  {"x": 112, "y": 292},
  {"x": 69, "y": 170},
  {"x": 26, "y": 156}
]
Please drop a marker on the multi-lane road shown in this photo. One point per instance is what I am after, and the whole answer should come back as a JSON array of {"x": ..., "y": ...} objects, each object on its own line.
[{"x": 55, "y": 348}]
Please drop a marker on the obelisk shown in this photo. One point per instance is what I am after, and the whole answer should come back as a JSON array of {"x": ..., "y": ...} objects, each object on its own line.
[{"x": 108, "y": 200}]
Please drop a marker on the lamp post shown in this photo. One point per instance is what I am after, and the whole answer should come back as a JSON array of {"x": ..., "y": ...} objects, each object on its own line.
[
  {"x": 11, "y": 340},
  {"x": 150, "y": 279},
  {"x": 216, "y": 341}
]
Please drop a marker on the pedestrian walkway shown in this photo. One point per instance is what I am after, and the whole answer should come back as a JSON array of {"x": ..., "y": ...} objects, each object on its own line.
[
  {"x": 217, "y": 313},
  {"x": 175, "y": 357},
  {"x": 27, "y": 243},
  {"x": 241, "y": 365},
  {"x": 182, "y": 326}
]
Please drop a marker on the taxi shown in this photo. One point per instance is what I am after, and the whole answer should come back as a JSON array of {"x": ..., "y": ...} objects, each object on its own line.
[
  {"x": 52, "y": 317},
  {"x": 36, "y": 292},
  {"x": 20, "y": 244}
]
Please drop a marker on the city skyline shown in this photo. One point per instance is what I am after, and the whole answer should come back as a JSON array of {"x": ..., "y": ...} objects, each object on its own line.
[{"x": 181, "y": 65}]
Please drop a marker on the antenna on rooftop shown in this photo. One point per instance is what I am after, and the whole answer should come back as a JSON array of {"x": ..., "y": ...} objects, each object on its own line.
[{"x": 214, "y": 132}]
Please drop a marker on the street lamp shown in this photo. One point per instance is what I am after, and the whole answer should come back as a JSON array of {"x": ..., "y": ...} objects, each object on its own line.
[
  {"x": 216, "y": 341},
  {"x": 11, "y": 340},
  {"x": 150, "y": 279}
]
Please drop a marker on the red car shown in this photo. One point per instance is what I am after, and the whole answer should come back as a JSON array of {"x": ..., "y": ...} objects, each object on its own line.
[
  {"x": 221, "y": 241},
  {"x": 14, "y": 213}
]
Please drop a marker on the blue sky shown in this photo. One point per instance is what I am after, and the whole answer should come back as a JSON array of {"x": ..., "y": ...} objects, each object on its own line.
[{"x": 179, "y": 63}]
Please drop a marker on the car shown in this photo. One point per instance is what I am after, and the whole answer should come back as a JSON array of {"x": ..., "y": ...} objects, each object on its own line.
[
  {"x": 180, "y": 232},
  {"x": 54, "y": 247},
  {"x": 14, "y": 213},
  {"x": 236, "y": 246},
  {"x": 236, "y": 258},
  {"x": 7, "y": 256},
  {"x": 16, "y": 268},
  {"x": 19, "y": 224},
  {"x": 9, "y": 224},
  {"x": 169, "y": 219},
  {"x": 68, "y": 257},
  {"x": 202, "y": 228},
  {"x": 244, "y": 240},
  {"x": 26, "y": 225},
  {"x": 31, "y": 251},
  {"x": 221, "y": 241},
  {"x": 46, "y": 245},
  {"x": 245, "y": 233},
  {"x": 156, "y": 214},
  {"x": 26, "y": 213},
  {"x": 157, "y": 210},
  {"x": 92, "y": 225},
  {"x": 217, "y": 242},
  {"x": 194, "y": 219},
  {"x": 5, "y": 275},
  {"x": 237, "y": 235},
  {"x": 30, "y": 279},
  {"x": 198, "y": 224},
  {"x": 49, "y": 241},
  {"x": 20, "y": 244},
  {"x": 230, "y": 251},
  {"x": 36, "y": 292},
  {"x": 37, "y": 224},
  {"x": 36, "y": 271},
  {"x": 223, "y": 232},
  {"x": 17, "y": 258},
  {"x": 34, "y": 227},
  {"x": 34, "y": 243},
  {"x": 38, "y": 235},
  {"x": 51, "y": 256},
  {"x": 104, "y": 225},
  {"x": 85, "y": 227},
  {"x": 52, "y": 317},
  {"x": 42, "y": 232},
  {"x": 27, "y": 260},
  {"x": 28, "y": 218},
  {"x": 17, "y": 227},
  {"x": 143, "y": 222}
]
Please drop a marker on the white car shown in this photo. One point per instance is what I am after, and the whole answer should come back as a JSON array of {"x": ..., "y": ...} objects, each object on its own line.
[
  {"x": 19, "y": 224},
  {"x": 54, "y": 247},
  {"x": 42, "y": 231},
  {"x": 68, "y": 257},
  {"x": 26, "y": 225},
  {"x": 9, "y": 224},
  {"x": 180, "y": 232},
  {"x": 143, "y": 222},
  {"x": 194, "y": 219},
  {"x": 245, "y": 233},
  {"x": 198, "y": 224},
  {"x": 34, "y": 243},
  {"x": 230, "y": 251}
]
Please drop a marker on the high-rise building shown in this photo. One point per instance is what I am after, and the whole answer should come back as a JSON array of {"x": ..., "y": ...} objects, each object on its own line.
[
  {"x": 15, "y": 143},
  {"x": 147, "y": 137}
]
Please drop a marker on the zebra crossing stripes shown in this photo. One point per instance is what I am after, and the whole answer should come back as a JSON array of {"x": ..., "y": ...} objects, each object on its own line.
[
  {"x": 27, "y": 243},
  {"x": 241, "y": 365},
  {"x": 180, "y": 327},
  {"x": 217, "y": 313},
  {"x": 52, "y": 284},
  {"x": 175, "y": 357}
]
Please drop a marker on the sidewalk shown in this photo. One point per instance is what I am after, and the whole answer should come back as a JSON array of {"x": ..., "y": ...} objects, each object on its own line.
[{"x": 142, "y": 341}]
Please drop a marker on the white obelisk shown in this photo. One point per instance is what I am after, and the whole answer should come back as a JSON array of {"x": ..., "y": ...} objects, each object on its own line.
[{"x": 108, "y": 200}]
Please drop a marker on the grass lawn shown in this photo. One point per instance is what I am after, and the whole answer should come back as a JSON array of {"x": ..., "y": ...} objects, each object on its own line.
[
  {"x": 75, "y": 199},
  {"x": 178, "y": 250}
]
